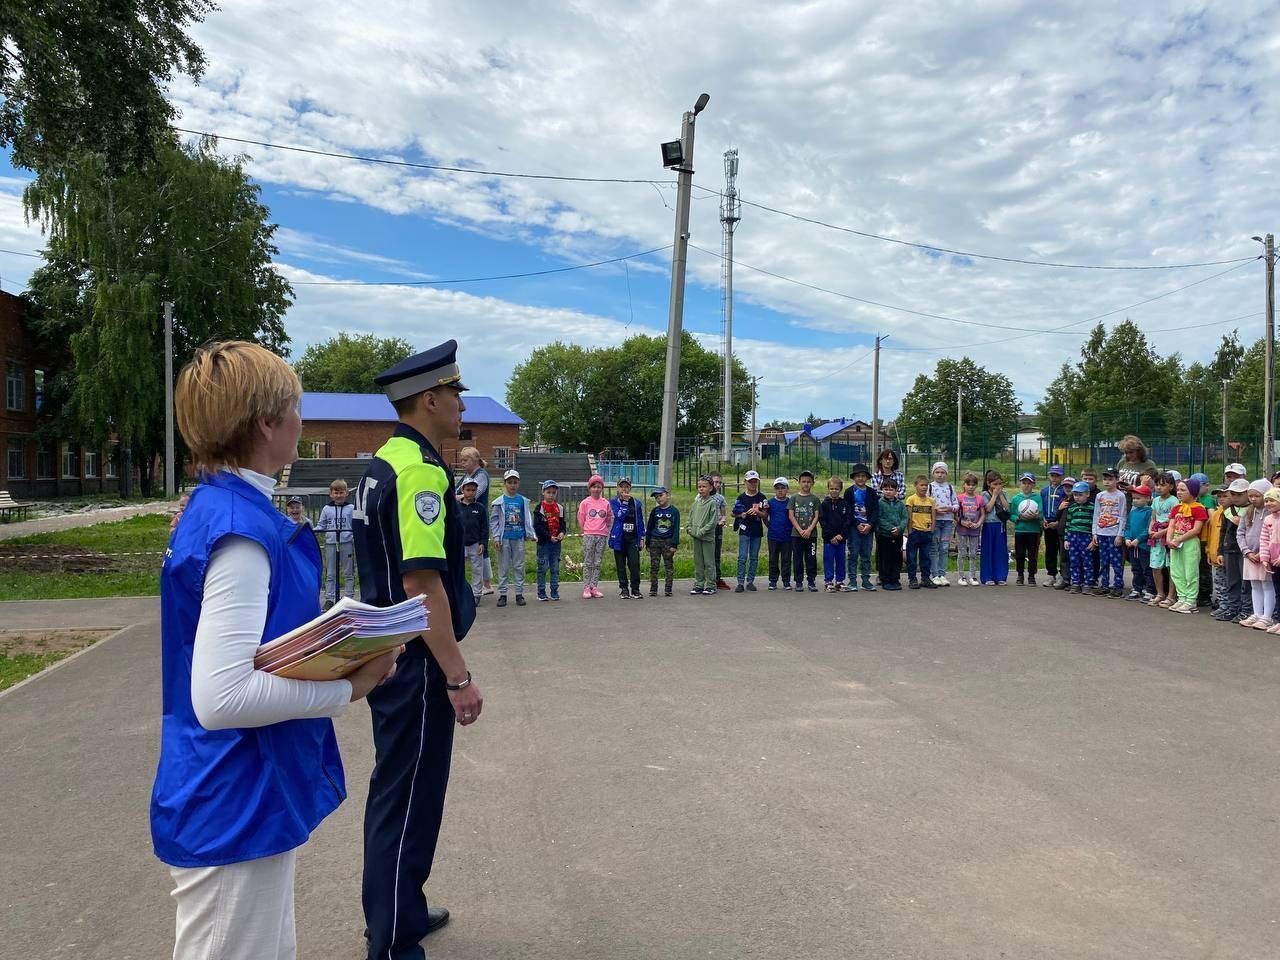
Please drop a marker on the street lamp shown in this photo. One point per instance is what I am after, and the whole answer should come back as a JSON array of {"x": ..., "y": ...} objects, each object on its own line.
[{"x": 677, "y": 154}]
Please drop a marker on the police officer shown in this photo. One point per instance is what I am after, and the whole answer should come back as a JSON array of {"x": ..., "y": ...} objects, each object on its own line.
[{"x": 408, "y": 536}]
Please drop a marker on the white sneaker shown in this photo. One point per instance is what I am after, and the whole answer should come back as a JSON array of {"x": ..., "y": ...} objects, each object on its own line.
[{"x": 943, "y": 581}]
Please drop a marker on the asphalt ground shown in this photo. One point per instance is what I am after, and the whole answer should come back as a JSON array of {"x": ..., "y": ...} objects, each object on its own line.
[{"x": 960, "y": 773}]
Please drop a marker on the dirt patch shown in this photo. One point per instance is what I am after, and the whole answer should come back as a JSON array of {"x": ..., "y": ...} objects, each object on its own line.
[{"x": 48, "y": 643}]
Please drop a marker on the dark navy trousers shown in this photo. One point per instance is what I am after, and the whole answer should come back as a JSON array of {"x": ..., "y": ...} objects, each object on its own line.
[{"x": 413, "y": 742}]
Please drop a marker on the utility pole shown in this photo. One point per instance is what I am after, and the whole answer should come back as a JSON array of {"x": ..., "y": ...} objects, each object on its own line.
[
  {"x": 1269, "y": 375},
  {"x": 958, "y": 414},
  {"x": 170, "y": 489},
  {"x": 755, "y": 439},
  {"x": 730, "y": 214},
  {"x": 675, "y": 314},
  {"x": 875, "y": 405},
  {"x": 1226, "y": 457}
]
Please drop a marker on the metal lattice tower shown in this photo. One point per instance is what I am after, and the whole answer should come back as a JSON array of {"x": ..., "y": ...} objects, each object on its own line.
[{"x": 730, "y": 214}]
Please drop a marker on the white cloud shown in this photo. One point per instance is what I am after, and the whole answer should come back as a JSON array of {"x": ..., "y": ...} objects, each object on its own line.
[{"x": 1093, "y": 133}]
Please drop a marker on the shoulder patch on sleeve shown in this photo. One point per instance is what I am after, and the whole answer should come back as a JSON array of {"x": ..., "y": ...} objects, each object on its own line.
[{"x": 428, "y": 506}]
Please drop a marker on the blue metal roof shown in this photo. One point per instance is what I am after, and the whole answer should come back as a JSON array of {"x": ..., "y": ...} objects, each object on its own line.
[{"x": 375, "y": 407}]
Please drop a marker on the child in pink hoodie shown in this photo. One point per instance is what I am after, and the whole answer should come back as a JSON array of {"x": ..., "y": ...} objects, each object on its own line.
[{"x": 595, "y": 519}]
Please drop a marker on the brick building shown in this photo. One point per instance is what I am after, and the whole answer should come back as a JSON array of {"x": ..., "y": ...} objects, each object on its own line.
[
  {"x": 356, "y": 424},
  {"x": 34, "y": 466}
]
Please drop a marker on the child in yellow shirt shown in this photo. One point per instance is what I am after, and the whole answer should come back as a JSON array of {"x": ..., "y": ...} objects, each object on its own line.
[{"x": 921, "y": 517}]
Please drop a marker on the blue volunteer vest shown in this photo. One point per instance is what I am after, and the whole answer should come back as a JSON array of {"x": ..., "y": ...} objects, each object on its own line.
[{"x": 224, "y": 796}]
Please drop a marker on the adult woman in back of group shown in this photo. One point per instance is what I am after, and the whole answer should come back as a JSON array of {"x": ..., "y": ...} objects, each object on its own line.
[
  {"x": 473, "y": 469},
  {"x": 248, "y": 761},
  {"x": 886, "y": 468},
  {"x": 1133, "y": 462}
]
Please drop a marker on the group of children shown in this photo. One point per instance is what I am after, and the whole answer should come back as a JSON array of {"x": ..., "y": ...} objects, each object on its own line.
[{"x": 1186, "y": 545}]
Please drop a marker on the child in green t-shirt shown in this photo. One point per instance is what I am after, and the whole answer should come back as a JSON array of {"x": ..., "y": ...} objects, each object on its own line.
[{"x": 1027, "y": 524}]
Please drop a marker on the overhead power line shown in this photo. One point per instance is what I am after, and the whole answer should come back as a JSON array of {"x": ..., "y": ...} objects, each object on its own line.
[
  {"x": 866, "y": 234},
  {"x": 412, "y": 164},
  {"x": 1017, "y": 328},
  {"x": 987, "y": 256},
  {"x": 504, "y": 276},
  {"x": 1073, "y": 323}
]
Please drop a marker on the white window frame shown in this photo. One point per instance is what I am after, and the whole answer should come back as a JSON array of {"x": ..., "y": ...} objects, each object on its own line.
[
  {"x": 90, "y": 461},
  {"x": 70, "y": 450},
  {"x": 113, "y": 458},
  {"x": 15, "y": 386}
]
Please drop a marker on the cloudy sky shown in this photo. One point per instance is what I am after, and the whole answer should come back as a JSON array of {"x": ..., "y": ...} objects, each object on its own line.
[{"x": 1089, "y": 133}]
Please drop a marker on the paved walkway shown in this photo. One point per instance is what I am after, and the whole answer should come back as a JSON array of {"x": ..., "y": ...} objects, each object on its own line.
[
  {"x": 24, "y": 528},
  {"x": 108, "y": 613},
  {"x": 952, "y": 774}
]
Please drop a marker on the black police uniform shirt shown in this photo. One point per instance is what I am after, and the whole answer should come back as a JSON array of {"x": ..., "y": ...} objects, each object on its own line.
[{"x": 406, "y": 519}]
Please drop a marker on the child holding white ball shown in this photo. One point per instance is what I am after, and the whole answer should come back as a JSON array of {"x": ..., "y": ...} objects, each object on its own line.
[{"x": 1027, "y": 524}]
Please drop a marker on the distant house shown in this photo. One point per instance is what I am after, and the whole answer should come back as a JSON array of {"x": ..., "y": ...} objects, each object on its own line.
[
  {"x": 842, "y": 439},
  {"x": 346, "y": 425}
]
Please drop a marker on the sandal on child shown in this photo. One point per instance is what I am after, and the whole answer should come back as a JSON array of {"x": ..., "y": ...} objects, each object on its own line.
[
  {"x": 1274, "y": 628},
  {"x": 1167, "y": 602}
]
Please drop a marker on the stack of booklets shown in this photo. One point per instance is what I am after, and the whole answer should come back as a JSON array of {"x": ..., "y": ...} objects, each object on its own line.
[{"x": 340, "y": 640}]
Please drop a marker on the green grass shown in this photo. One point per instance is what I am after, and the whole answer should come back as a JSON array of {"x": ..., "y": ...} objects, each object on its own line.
[
  {"x": 133, "y": 575},
  {"x": 24, "y": 655}
]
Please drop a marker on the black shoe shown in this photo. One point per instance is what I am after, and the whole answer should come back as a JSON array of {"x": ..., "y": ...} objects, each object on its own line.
[
  {"x": 636, "y": 595},
  {"x": 555, "y": 596},
  {"x": 519, "y": 599},
  {"x": 1021, "y": 582},
  {"x": 668, "y": 592},
  {"x": 1075, "y": 588},
  {"x": 653, "y": 590},
  {"x": 929, "y": 585},
  {"x": 1063, "y": 585},
  {"x": 751, "y": 588},
  {"x": 913, "y": 585},
  {"x": 542, "y": 596},
  {"x": 437, "y": 917},
  {"x": 739, "y": 588},
  {"x": 624, "y": 593},
  {"x": 773, "y": 586},
  {"x": 502, "y": 601},
  {"x": 813, "y": 587},
  {"x": 1100, "y": 591},
  {"x": 1031, "y": 579},
  {"x": 695, "y": 592}
]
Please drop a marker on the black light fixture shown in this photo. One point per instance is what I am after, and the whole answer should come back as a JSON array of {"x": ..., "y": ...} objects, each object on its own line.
[{"x": 673, "y": 153}]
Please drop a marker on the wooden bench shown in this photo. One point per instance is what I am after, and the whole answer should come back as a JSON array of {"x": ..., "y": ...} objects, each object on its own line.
[{"x": 10, "y": 510}]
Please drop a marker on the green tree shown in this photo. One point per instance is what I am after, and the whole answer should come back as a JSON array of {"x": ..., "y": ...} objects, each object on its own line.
[
  {"x": 1119, "y": 385},
  {"x": 990, "y": 410},
  {"x": 188, "y": 228},
  {"x": 577, "y": 398},
  {"x": 348, "y": 364},
  {"x": 1245, "y": 397},
  {"x": 82, "y": 75}
]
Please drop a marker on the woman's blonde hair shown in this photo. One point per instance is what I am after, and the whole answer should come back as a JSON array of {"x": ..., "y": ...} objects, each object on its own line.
[
  {"x": 223, "y": 394},
  {"x": 472, "y": 452},
  {"x": 1131, "y": 444}
]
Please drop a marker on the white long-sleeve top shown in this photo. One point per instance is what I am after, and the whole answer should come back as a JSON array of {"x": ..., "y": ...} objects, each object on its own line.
[{"x": 226, "y": 691}]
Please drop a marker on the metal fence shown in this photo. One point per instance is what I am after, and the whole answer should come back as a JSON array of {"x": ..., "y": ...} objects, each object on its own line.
[{"x": 1187, "y": 440}]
